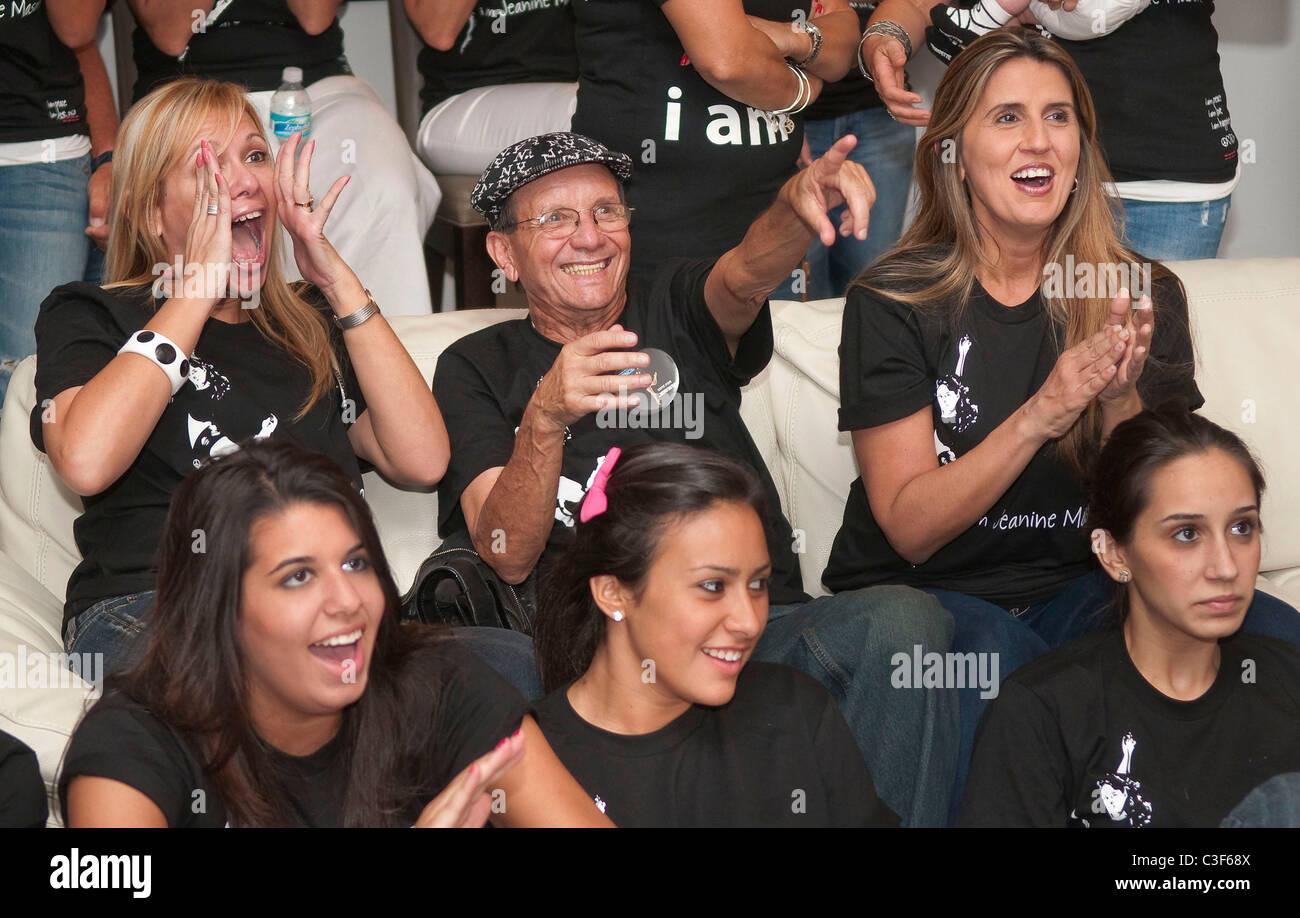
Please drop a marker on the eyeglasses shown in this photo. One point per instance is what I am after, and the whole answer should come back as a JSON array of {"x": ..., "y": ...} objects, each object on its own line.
[{"x": 563, "y": 222}]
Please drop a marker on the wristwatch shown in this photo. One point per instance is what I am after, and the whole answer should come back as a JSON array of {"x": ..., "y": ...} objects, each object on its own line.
[{"x": 816, "y": 35}]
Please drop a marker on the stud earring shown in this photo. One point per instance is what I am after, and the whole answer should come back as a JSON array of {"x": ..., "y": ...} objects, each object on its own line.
[
  {"x": 617, "y": 616},
  {"x": 1076, "y": 186},
  {"x": 1124, "y": 576}
]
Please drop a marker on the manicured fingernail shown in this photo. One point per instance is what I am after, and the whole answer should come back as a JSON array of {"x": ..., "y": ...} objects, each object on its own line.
[
  {"x": 504, "y": 740},
  {"x": 519, "y": 732}
]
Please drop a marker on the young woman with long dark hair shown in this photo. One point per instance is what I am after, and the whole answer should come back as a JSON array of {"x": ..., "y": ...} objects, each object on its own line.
[
  {"x": 644, "y": 635},
  {"x": 279, "y": 686},
  {"x": 1172, "y": 716}
]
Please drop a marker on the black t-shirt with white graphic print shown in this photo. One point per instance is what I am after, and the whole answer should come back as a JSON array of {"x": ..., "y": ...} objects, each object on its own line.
[
  {"x": 473, "y": 710},
  {"x": 244, "y": 41},
  {"x": 520, "y": 41},
  {"x": 1080, "y": 738},
  {"x": 22, "y": 791},
  {"x": 704, "y": 165},
  {"x": 41, "y": 92},
  {"x": 778, "y": 754},
  {"x": 485, "y": 380},
  {"x": 1162, "y": 112},
  {"x": 896, "y": 360},
  {"x": 241, "y": 385}
]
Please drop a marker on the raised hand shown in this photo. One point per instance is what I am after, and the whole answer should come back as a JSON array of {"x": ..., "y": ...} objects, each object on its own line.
[
  {"x": 831, "y": 180},
  {"x": 1140, "y": 323},
  {"x": 305, "y": 218},
  {"x": 579, "y": 382},
  {"x": 1079, "y": 376},
  {"x": 206, "y": 268},
  {"x": 466, "y": 802}
]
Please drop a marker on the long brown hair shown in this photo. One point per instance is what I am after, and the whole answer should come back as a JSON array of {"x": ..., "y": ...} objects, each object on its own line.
[
  {"x": 192, "y": 675},
  {"x": 934, "y": 264},
  {"x": 152, "y": 140}
]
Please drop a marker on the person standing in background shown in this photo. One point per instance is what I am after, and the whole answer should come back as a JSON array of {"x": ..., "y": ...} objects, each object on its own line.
[
  {"x": 885, "y": 149},
  {"x": 492, "y": 76},
  {"x": 707, "y": 103},
  {"x": 379, "y": 226},
  {"x": 57, "y": 122}
]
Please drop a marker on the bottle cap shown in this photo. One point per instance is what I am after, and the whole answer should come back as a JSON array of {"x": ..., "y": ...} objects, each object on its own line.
[{"x": 292, "y": 75}]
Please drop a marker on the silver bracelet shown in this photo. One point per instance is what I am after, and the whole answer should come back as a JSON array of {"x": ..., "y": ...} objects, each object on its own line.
[
  {"x": 816, "y": 34},
  {"x": 801, "y": 98},
  {"x": 353, "y": 319},
  {"x": 163, "y": 353},
  {"x": 884, "y": 27}
]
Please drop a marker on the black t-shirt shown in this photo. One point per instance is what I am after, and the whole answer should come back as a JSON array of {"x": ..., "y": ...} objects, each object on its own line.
[
  {"x": 778, "y": 754},
  {"x": 852, "y": 94},
  {"x": 251, "y": 42},
  {"x": 472, "y": 711},
  {"x": 895, "y": 360},
  {"x": 484, "y": 382},
  {"x": 705, "y": 165},
  {"x": 1162, "y": 112},
  {"x": 241, "y": 385},
  {"x": 22, "y": 791},
  {"x": 41, "y": 92},
  {"x": 524, "y": 41},
  {"x": 1079, "y": 738}
]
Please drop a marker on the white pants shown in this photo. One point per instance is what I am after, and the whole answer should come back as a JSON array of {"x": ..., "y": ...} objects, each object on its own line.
[
  {"x": 380, "y": 219},
  {"x": 461, "y": 135}
]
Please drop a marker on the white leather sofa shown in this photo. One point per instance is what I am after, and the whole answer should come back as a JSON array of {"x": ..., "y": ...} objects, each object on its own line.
[{"x": 1246, "y": 318}]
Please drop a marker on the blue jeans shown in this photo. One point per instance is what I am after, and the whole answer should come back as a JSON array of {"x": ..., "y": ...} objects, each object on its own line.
[
  {"x": 847, "y": 642},
  {"x": 1167, "y": 231},
  {"x": 1275, "y": 804},
  {"x": 112, "y": 627},
  {"x": 43, "y": 213},
  {"x": 1081, "y": 607},
  {"x": 886, "y": 150},
  {"x": 510, "y": 653}
]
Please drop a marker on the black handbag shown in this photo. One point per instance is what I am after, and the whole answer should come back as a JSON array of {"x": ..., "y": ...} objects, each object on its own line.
[{"x": 454, "y": 586}]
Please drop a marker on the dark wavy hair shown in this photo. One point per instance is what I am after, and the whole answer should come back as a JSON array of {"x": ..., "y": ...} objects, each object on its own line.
[
  {"x": 192, "y": 675},
  {"x": 1119, "y": 488},
  {"x": 652, "y": 487}
]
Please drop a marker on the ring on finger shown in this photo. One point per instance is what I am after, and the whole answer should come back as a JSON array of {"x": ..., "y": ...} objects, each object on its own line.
[
  {"x": 307, "y": 203},
  {"x": 213, "y": 210}
]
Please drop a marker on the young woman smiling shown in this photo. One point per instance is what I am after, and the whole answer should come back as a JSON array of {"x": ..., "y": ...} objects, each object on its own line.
[
  {"x": 644, "y": 633},
  {"x": 279, "y": 686},
  {"x": 197, "y": 342},
  {"x": 1175, "y": 715}
]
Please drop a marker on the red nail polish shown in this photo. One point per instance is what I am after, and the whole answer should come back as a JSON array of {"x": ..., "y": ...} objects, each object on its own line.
[{"x": 503, "y": 742}]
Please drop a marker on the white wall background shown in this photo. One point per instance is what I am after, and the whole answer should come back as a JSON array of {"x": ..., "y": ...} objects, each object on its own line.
[{"x": 1260, "y": 50}]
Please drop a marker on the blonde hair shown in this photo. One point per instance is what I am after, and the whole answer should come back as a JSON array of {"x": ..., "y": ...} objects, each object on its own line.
[
  {"x": 155, "y": 135},
  {"x": 933, "y": 266}
]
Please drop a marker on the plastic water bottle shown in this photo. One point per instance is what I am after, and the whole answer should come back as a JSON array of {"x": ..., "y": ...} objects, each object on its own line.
[{"x": 290, "y": 106}]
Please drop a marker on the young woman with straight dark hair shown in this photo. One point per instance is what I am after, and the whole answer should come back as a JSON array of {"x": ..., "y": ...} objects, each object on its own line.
[
  {"x": 1174, "y": 715},
  {"x": 279, "y": 686},
  {"x": 645, "y": 629}
]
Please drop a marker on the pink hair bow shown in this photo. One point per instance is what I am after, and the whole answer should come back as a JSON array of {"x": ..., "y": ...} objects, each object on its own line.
[{"x": 596, "y": 503}]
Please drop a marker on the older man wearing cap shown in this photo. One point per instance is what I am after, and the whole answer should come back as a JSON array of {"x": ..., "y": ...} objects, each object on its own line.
[{"x": 531, "y": 408}]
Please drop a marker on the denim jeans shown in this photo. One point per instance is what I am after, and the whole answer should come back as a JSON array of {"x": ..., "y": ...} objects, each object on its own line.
[
  {"x": 510, "y": 653},
  {"x": 112, "y": 627},
  {"x": 1081, "y": 607},
  {"x": 43, "y": 213},
  {"x": 886, "y": 150},
  {"x": 847, "y": 642},
  {"x": 1275, "y": 804},
  {"x": 1175, "y": 231}
]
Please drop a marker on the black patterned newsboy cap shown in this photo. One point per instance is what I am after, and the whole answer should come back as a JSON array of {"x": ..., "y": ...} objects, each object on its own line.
[{"x": 522, "y": 162}]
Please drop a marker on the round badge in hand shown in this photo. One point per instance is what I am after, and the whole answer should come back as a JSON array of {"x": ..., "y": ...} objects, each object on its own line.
[{"x": 664, "y": 380}]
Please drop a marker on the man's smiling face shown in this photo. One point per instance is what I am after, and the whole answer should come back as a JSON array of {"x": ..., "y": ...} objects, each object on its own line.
[{"x": 585, "y": 272}]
